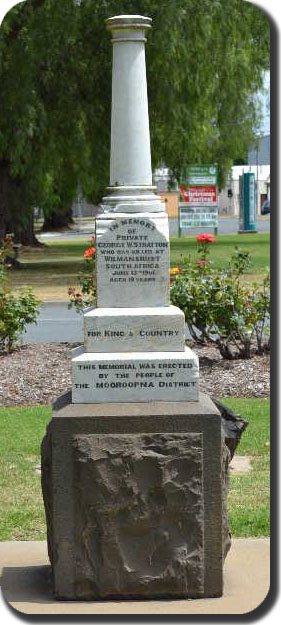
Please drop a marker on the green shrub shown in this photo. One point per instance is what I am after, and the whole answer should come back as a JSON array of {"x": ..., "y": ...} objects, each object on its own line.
[
  {"x": 219, "y": 307},
  {"x": 16, "y": 311}
]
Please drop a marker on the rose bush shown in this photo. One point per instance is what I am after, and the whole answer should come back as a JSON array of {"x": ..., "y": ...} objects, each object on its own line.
[
  {"x": 219, "y": 307},
  {"x": 85, "y": 296},
  {"x": 16, "y": 311}
]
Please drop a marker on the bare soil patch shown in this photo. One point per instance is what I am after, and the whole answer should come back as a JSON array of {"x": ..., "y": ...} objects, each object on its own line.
[{"x": 37, "y": 374}]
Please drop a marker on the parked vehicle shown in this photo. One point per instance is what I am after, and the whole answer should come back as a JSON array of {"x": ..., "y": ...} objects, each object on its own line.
[{"x": 265, "y": 209}]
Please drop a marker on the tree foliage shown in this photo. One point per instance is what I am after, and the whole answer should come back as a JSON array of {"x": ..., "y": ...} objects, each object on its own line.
[{"x": 205, "y": 63}]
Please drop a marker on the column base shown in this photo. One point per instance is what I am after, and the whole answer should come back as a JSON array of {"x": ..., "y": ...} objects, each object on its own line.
[
  {"x": 132, "y": 199},
  {"x": 135, "y": 499}
]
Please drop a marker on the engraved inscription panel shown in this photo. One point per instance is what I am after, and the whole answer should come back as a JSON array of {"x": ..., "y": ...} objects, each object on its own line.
[
  {"x": 134, "y": 329},
  {"x": 170, "y": 376},
  {"x": 133, "y": 261}
]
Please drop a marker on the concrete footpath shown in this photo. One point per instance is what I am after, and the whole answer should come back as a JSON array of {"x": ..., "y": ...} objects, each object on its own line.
[{"x": 26, "y": 584}]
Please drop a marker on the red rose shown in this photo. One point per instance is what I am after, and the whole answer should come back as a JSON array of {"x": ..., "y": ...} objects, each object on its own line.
[
  {"x": 205, "y": 238},
  {"x": 89, "y": 252}
]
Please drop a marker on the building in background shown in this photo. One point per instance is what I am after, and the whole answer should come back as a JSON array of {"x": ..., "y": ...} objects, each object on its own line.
[
  {"x": 82, "y": 208},
  {"x": 259, "y": 164},
  {"x": 161, "y": 179},
  {"x": 229, "y": 197},
  {"x": 171, "y": 199},
  {"x": 259, "y": 152}
]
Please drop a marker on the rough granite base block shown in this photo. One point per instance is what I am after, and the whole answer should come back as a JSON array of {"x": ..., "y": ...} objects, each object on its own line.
[
  {"x": 142, "y": 522},
  {"x": 135, "y": 499}
]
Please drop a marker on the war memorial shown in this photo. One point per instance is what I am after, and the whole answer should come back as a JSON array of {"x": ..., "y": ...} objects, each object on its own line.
[{"x": 134, "y": 463}]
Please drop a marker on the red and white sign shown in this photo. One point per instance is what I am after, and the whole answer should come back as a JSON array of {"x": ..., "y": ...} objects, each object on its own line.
[{"x": 199, "y": 195}]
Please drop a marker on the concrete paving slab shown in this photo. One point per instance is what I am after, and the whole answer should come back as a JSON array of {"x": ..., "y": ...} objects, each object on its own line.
[
  {"x": 240, "y": 464},
  {"x": 26, "y": 584}
]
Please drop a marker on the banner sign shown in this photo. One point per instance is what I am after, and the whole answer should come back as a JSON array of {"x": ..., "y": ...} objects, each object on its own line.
[
  {"x": 199, "y": 195},
  {"x": 197, "y": 175}
]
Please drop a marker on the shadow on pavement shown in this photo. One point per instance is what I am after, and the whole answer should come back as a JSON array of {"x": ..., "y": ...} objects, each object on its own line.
[{"x": 27, "y": 584}]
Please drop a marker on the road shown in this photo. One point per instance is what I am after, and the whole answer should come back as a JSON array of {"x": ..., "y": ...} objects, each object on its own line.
[
  {"x": 226, "y": 225},
  {"x": 56, "y": 324}
]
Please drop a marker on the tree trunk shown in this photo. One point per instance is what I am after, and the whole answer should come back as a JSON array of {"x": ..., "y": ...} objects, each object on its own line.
[
  {"x": 5, "y": 205},
  {"x": 59, "y": 219},
  {"x": 25, "y": 235},
  {"x": 16, "y": 215}
]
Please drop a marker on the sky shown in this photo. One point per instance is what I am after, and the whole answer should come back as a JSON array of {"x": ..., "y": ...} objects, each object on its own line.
[{"x": 265, "y": 99}]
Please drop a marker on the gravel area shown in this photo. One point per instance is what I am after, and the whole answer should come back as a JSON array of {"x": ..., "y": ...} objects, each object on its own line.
[
  {"x": 233, "y": 378},
  {"x": 36, "y": 374}
]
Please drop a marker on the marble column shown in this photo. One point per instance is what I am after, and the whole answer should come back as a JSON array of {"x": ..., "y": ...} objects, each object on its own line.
[{"x": 131, "y": 187}]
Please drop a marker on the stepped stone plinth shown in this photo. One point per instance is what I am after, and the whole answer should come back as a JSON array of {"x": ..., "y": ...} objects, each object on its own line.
[
  {"x": 133, "y": 464},
  {"x": 134, "y": 329}
]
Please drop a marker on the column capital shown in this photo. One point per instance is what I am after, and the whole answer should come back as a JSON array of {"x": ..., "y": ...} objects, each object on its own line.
[{"x": 128, "y": 27}]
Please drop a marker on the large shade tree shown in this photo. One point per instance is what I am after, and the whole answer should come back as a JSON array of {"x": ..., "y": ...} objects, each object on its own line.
[{"x": 205, "y": 64}]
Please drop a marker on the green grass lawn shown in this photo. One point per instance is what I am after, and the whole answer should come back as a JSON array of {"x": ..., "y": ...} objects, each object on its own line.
[
  {"x": 52, "y": 269},
  {"x": 249, "y": 493},
  {"x": 22, "y": 512},
  {"x": 221, "y": 250}
]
